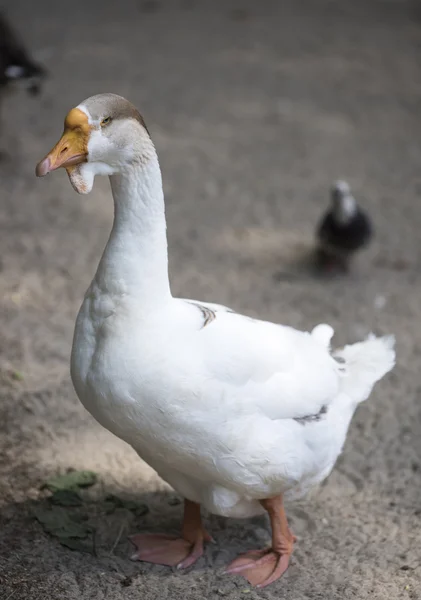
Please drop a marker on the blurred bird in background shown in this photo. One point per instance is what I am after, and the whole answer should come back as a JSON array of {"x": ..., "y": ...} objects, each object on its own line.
[
  {"x": 343, "y": 230},
  {"x": 16, "y": 65},
  {"x": 15, "y": 62}
]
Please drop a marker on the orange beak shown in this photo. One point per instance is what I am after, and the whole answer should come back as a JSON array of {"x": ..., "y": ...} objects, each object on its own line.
[{"x": 72, "y": 148}]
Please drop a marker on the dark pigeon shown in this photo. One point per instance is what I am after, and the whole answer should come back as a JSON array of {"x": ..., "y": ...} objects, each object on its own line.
[{"x": 343, "y": 230}]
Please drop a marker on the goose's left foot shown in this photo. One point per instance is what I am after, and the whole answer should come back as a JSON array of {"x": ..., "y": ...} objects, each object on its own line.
[
  {"x": 170, "y": 550},
  {"x": 262, "y": 567}
]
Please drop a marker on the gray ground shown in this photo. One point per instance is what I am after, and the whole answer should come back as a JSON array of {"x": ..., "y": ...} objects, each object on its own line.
[{"x": 255, "y": 107}]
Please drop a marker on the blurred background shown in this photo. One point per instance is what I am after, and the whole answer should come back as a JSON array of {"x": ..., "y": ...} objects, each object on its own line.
[{"x": 255, "y": 109}]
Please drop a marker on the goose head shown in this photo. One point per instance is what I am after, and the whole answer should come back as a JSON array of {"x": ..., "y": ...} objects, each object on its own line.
[{"x": 103, "y": 135}]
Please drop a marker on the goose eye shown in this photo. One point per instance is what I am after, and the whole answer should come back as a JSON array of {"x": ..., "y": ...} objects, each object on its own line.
[{"x": 105, "y": 121}]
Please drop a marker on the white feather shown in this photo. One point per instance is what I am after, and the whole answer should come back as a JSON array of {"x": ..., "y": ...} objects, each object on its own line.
[{"x": 365, "y": 363}]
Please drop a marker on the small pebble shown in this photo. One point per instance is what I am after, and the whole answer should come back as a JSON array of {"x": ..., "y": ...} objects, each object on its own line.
[{"x": 379, "y": 302}]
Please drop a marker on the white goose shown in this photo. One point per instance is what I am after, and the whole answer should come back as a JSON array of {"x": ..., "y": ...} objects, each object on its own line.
[{"x": 234, "y": 413}]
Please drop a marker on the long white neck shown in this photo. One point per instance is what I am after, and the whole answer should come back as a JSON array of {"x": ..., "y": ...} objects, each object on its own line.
[{"x": 135, "y": 260}]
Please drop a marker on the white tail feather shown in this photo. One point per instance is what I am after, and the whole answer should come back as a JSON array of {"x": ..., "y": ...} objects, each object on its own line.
[
  {"x": 364, "y": 364},
  {"x": 323, "y": 334}
]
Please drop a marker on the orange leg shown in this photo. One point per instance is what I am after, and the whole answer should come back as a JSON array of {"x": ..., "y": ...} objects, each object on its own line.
[
  {"x": 171, "y": 550},
  {"x": 262, "y": 567}
]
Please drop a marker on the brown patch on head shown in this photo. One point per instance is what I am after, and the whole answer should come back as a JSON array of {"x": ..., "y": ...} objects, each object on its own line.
[
  {"x": 72, "y": 148},
  {"x": 75, "y": 119},
  {"x": 102, "y": 106}
]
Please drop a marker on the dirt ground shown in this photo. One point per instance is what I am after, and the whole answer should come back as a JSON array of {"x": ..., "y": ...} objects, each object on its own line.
[{"x": 255, "y": 108}]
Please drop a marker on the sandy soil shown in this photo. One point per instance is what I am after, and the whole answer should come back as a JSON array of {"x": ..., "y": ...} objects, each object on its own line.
[{"x": 255, "y": 108}]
